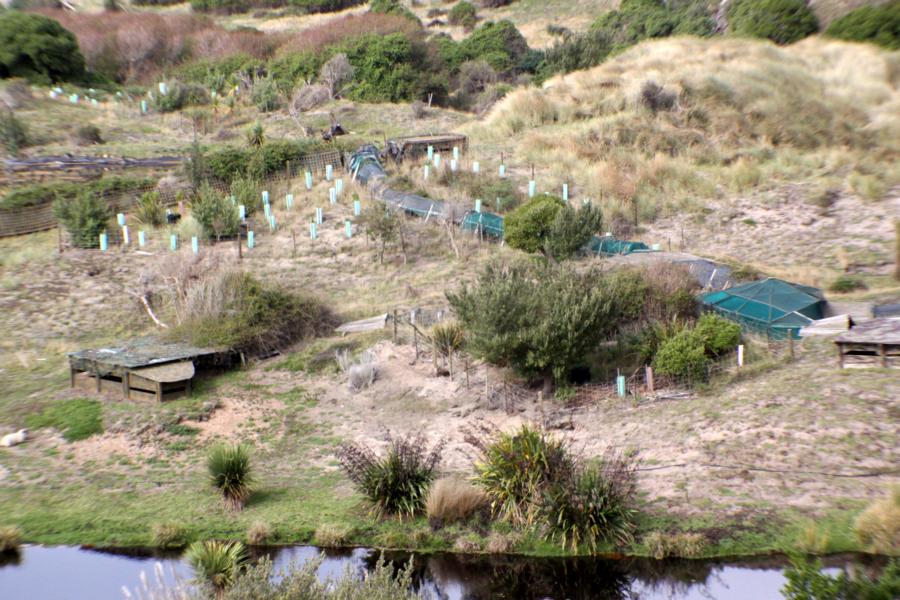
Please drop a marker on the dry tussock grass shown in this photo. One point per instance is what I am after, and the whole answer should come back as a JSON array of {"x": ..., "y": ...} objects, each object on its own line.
[
  {"x": 451, "y": 499},
  {"x": 740, "y": 105},
  {"x": 878, "y": 527}
]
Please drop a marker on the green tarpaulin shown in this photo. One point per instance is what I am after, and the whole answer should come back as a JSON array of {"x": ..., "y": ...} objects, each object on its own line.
[
  {"x": 609, "y": 246},
  {"x": 489, "y": 223}
]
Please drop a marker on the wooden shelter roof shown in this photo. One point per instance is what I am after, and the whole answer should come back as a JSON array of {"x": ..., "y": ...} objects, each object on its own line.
[
  {"x": 142, "y": 352},
  {"x": 876, "y": 331}
]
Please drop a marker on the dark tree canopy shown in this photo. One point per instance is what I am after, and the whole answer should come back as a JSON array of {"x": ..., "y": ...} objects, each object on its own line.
[{"x": 38, "y": 48}]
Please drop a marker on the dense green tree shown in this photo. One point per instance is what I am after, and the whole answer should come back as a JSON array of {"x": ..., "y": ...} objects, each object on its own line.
[
  {"x": 84, "y": 217},
  {"x": 540, "y": 321},
  {"x": 528, "y": 227},
  {"x": 38, "y": 48},
  {"x": 498, "y": 43},
  {"x": 572, "y": 229}
]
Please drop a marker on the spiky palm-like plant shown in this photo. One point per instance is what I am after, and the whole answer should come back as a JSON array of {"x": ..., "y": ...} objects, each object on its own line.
[
  {"x": 230, "y": 472},
  {"x": 216, "y": 563},
  {"x": 449, "y": 338}
]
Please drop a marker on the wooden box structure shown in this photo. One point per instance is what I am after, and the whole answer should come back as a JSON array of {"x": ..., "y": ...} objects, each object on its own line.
[
  {"x": 415, "y": 146},
  {"x": 144, "y": 369},
  {"x": 874, "y": 343}
]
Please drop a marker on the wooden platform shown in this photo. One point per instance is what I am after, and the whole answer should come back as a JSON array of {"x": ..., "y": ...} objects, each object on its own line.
[
  {"x": 873, "y": 343},
  {"x": 145, "y": 368}
]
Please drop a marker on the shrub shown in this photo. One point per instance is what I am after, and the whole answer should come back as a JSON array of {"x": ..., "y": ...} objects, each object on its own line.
[
  {"x": 498, "y": 43},
  {"x": 38, "y": 48},
  {"x": 878, "y": 527},
  {"x": 170, "y": 535},
  {"x": 246, "y": 191},
  {"x": 150, "y": 211},
  {"x": 256, "y": 135},
  {"x": 87, "y": 135},
  {"x": 76, "y": 419},
  {"x": 227, "y": 163},
  {"x": 782, "y": 21},
  {"x": 217, "y": 564},
  {"x": 180, "y": 95},
  {"x": 259, "y": 533},
  {"x": 540, "y": 321},
  {"x": 265, "y": 94},
  {"x": 398, "y": 482},
  {"x": 215, "y": 213},
  {"x": 594, "y": 505},
  {"x": 451, "y": 500},
  {"x": 528, "y": 227},
  {"x": 448, "y": 337},
  {"x": 515, "y": 469},
  {"x": 384, "y": 226},
  {"x": 847, "y": 283},
  {"x": 308, "y": 97},
  {"x": 388, "y": 68},
  {"x": 361, "y": 373},
  {"x": 717, "y": 334},
  {"x": 682, "y": 356},
  {"x": 806, "y": 580},
  {"x": 10, "y": 539},
  {"x": 463, "y": 14},
  {"x": 655, "y": 98},
  {"x": 877, "y": 24},
  {"x": 336, "y": 73},
  {"x": 571, "y": 230},
  {"x": 392, "y": 7},
  {"x": 13, "y": 133},
  {"x": 85, "y": 218},
  {"x": 231, "y": 473},
  {"x": 653, "y": 335}
]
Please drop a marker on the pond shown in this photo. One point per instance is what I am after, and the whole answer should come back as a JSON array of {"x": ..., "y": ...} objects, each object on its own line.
[{"x": 72, "y": 573}]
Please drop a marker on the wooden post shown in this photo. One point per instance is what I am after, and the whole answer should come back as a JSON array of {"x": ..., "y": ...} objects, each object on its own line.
[
  {"x": 293, "y": 243},
  {"x": 840, "y": 349},
  {"x": 648, "y": 375},
  {"x": 434, "y": 354},
  {"x": 541, "y": 407},
  {"x": 416, "y": 341},
  {"x": 467, "y": 372},
  {"x": 883, "y": 353},
  {"x": 395, "y": 329},
  {"x": 239, "y": 244}
]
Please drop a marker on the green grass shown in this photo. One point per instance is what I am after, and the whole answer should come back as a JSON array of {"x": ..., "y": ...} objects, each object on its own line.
[{"x": 76, "y": 419}]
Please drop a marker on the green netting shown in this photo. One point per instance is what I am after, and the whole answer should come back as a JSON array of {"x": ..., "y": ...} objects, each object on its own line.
[
  {"x": 489, "y": 223},
  {"x": 771, "y": 306},
  {"x": 609, "y": 246}
]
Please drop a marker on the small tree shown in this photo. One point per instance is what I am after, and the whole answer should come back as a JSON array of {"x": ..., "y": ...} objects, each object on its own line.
[
  {"x": 336, "y": 73},
  {"x": 464, "y": 14},
  {"x": 215, "y": 213},
  {"x": 38, "y": 48},
  {"x": 385, "y": 227},
  {"x": 571, "y": 230},
  {"x": 85, "y": 218},
  {"x": 265, "y": 94},
  {"x": 216, "y": 564},
  {"x": 195, "y": 165},
  {"x": 540, "y": 321},
  {"x": 230, "y": 472},
  {"x": 528, "y": 227}
]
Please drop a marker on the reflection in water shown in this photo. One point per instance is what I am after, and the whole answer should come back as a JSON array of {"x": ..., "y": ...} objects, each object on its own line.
[{"x": 72, "y": 573}]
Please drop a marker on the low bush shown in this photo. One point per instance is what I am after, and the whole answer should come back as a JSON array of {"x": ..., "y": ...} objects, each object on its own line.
[
  {"x": 878, "y": 527},
  {"x": 87, "y": 135},
  {"x": 216, "y": 564},
  {"x": 13, "y": 133},
  {"x": 463, "y": 14},
  {"x": 331, "y": 535},
  {"x": 396, "y": 483},
  {"x": 498, "y": 43},
  {"x": 180, "y": 95},
  {"x": 38, "y": 48},
  {"x": 847, "y": 283},
  {"x": 807, "y": 580},
  {"x": 247, "y": 192},
  {"x": 717, "y": 334},
  {"x": 571, "y": 230},
  {"x": 44, "y": 193},
  {"x": 308, "y": 97},
  {"x": 215, "y": 213},
  {"x": 876, "y": 24},
  {"x": 227, "y": 163},
  {"x": 265, "y": 95},
  {"x": 452, "y": 500},
  {"x": 170, "y": 535},
  {"x": 10, "y": 539},
  {"x": 655, "y": 98},
  {"x": 782, "y": 21},
  {"x": 682, "y": 356},
  {"x": 361, "y": 371},
  {"x": 76, "y": 419},
  {"x": 259, "y": 533},
  {"x": 256, "y": 135},
  {"x": 230, "y": 472},
  {"x": 85, "y": 218},
  {"x": 150, "y": 211}
]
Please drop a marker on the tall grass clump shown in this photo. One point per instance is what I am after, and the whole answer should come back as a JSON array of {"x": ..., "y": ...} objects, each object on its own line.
[
  {"x": 149, "y": 210},
  {"x": 452, "y": 500},
  {"x": 396, "y": 483},
  {"x": 13, "y": 133},
  {"x": 170, "y": 535},
  {"x": 230, "y": 472},
  {"x": 76, "y": 419},
  {"x": 533, "y": 480},
  {"x": 10, "y": 539},
  {"x": 216, "y": 564},
  {"x": 878, "y": 527}
]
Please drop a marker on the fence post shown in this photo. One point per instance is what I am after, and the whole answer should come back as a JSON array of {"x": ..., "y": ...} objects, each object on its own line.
[
  {"x": 541, "y": 407},
  {"x": 467, "y": 371},
  {"x": 648, "y": 375},
  {"x": 620, "y": 386},
  {"x": 395, "y": 326},
  {"x": 740, "y": 355}
]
